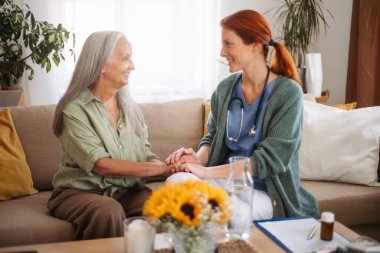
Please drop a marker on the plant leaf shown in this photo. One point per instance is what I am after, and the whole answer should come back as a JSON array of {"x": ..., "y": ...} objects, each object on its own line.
[
  {"x": 48, "y": 65},
  {"x": 56, "y": 59}
]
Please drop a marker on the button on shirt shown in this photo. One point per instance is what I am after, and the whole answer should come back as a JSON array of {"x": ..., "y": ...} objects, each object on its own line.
[{"x": 88, "y": 135}]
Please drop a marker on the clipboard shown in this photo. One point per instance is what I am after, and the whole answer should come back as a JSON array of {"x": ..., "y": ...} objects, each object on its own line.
[{"x": 291, "y": 234}]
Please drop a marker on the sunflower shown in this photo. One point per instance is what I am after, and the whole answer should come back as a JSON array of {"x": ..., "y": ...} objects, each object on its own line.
[
  {"x": 218, "y": 200},
  {"x": 191, "y": 204},
  {"x": 187, "y": 209},
  {"x": 160, "y": 202},
  {"x": 198, "y": 186}
]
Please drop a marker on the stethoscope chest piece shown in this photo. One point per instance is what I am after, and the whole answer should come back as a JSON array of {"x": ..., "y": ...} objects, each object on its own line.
[{"x": 252, "y": 131}]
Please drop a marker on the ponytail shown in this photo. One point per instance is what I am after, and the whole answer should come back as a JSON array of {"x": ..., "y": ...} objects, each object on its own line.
[{"x": 283, "y": 63}]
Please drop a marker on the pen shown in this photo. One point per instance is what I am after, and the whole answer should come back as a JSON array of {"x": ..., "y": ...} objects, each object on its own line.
[
  {"x": 325, "y": 251},
  {"x": 312, "y": 232}
]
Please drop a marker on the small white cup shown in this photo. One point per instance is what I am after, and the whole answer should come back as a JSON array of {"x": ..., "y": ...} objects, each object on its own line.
[{"x": 138, "y": 235}]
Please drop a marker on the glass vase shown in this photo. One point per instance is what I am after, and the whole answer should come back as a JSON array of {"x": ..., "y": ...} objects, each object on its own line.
[
  {"x": 240, "y": 189},
  {"x": 194, "y": 240}
]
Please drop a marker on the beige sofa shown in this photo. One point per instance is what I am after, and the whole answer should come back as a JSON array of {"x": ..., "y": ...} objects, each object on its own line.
[{"x": 26, "y": 220}]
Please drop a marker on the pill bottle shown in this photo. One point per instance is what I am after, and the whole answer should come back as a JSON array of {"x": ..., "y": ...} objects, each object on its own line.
[{"x": 327, "y": 226}]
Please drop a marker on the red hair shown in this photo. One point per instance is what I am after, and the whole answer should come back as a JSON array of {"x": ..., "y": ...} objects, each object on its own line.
[{"x": 252, "y": 27}]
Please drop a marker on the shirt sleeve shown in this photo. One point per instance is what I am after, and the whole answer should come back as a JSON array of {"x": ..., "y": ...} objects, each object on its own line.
[
  {"x": 211, "y": 123},
  {"x": 148, "y": 153},
  {"x": 283, "y": 136},
  {"x": 82, "y": 143}
]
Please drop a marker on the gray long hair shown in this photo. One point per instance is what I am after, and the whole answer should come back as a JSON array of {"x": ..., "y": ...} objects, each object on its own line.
[{"x": 95, "y": 53}]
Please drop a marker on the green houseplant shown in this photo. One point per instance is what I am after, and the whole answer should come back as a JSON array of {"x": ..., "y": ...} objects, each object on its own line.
[
  {"x": 301, "y": 20},
  {"x": 23, "y": 38}
]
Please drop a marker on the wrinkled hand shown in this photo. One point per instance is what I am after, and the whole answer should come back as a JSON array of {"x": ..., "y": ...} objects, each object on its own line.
[
  {"x": 181, "y": 156},
  {"x": 176, "y": 156},
  {"x": 167, "y": 169}
]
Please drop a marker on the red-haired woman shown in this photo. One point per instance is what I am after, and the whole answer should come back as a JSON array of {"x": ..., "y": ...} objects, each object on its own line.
[{"x": 255, "y": 112}]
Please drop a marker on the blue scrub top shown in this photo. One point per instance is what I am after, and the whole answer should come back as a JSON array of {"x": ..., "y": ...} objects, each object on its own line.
[{"x": 247, "y": 144}]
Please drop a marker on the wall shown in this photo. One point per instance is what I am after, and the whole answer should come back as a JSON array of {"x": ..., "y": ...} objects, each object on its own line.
[
  {"x": 44, "y": 88},
  {"x": 333, "y": 45}
]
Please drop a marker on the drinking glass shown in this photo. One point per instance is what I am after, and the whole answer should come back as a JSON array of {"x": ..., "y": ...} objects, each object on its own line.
[
  {"x": 139, "y": 235},
  {"x": 240, "y": 189}
]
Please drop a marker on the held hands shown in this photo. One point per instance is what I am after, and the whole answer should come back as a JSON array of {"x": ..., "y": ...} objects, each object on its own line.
[
  {"x": 196, "y": 168},
  {"x": 189, "y": 153},
  {"x": 181, "y": 160},
  {"x": 167, "y": 169}
]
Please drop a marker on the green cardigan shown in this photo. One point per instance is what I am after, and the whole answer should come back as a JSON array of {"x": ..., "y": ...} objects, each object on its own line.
[{"x": 276, "y": 157}]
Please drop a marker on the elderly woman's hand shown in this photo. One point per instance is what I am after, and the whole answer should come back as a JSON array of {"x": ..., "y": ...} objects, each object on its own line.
[{"x": 182, "y": 155}]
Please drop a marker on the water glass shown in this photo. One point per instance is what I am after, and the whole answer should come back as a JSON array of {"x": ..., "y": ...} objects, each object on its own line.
[
  {"x": 139, "y": 235},
  {"x": 240, "y": 189}
]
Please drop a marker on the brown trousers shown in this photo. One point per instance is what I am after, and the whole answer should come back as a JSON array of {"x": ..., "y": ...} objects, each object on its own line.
[{"x": 95, "y": 215}]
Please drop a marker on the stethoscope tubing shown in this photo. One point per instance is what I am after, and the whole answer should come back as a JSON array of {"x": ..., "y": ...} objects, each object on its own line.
[{"x": 252, "y": 131}]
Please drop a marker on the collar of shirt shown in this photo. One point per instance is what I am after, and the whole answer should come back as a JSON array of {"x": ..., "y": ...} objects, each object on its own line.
[{"x": 86, "y": 97}]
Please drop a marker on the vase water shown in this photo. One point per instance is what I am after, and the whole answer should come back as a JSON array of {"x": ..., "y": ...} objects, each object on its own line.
[
  {"x": 240, "y": 188},
  {"x": 194, "y": 240}
]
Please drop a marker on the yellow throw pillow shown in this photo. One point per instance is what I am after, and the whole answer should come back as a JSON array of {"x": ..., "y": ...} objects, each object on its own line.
[
  {"x": 15, "y": 175},
  {"x": 206, "y": 105},
  {"x": 347, "y": 107}
]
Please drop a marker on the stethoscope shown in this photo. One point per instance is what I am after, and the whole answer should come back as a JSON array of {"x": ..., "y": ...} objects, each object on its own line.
[{"x": 253, "y": 130}]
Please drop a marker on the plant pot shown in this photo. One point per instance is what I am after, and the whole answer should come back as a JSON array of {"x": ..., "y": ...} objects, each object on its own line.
[
  {"x": 11, "y": 97},
  {"x": 13, "y": 86},
  {"x": 4, "y": 69}
]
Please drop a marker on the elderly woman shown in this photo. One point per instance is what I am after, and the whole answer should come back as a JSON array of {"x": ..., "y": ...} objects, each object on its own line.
[{"x": 104, "y": 143}]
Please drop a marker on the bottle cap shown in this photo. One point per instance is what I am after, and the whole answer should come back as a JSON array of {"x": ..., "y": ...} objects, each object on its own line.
[{"x": 327, "y": 217}]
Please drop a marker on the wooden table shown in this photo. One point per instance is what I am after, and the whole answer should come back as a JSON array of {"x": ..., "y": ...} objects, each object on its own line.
[{"x": 258, "y": 239}]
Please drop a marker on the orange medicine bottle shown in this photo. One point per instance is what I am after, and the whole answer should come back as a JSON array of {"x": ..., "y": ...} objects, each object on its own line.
[{"x": 327, "y": 226}]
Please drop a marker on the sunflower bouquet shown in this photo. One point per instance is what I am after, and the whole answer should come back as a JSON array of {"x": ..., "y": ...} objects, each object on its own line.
[{"x": 191, "y": 211}]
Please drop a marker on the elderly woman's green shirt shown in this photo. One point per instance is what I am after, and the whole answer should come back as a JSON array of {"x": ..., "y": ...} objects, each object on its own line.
[{"x": 88, "y": 135}]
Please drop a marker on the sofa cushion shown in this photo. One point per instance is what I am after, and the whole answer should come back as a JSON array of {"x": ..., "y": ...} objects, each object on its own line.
[
  {"x": 28, "y": 221},
  {"x": 42, "y": 148},
  {"x": 207, "y": 109},
  {"x": 340, "y": 145},
  {"x": 347, "y": 107},
  {"x": 174, "y": 124},
  {"x": 352, "y": 204},
  {"x": 15, "y": 176}
]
